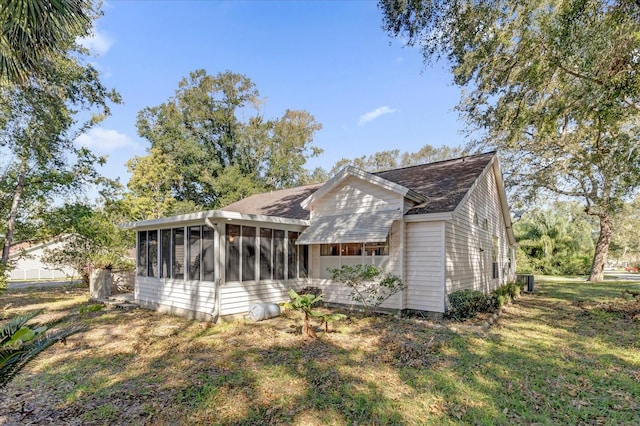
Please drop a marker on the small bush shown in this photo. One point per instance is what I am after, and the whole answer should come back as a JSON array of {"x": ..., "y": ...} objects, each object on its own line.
[
  {"x": 84, "y": 310},
  {"x": 514, "y": 289},
  {"x": 467, "y": 303},
  {"x": 505, "y": 294},
  {"x": 370, "y": 287}
]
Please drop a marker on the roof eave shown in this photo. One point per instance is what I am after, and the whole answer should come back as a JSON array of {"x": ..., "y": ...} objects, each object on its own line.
[
  {"x": 213, "y": 214},
  {"x": 504, "y": 204}
]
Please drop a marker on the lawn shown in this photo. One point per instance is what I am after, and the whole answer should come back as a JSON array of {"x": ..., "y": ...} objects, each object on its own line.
[{"x": 567, "y": 354}]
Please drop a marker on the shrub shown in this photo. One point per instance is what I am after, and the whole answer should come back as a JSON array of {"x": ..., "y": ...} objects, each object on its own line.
[
  {"x": 467, "y": 303},
  {"x": 369, "y": 287},
  {"x": 505, "y": 294},
  {"x": 514, "y": 289},
  {"x": 304, "y": 303}
]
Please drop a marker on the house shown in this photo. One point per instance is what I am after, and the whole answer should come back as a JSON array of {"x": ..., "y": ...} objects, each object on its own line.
[
  {"x": 26, "y": 259},
  {"x": 441, "y": 227}
]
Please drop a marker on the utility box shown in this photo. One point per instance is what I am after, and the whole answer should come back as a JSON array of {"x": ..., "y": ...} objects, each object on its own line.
[{"x": 527, "y": 281}]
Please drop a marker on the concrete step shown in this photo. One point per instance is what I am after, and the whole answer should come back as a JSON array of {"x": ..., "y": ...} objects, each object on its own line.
[{"x": 119, "y": 304}]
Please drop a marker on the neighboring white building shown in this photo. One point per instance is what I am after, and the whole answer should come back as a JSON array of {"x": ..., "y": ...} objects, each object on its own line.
[
  {"x": 28, "y": 266},
  {"x": 441, "y": 227}
]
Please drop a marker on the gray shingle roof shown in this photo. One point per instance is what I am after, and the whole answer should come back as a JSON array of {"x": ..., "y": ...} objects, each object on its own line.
[
  {"x": 284, "y": 203},
  {"x": 445, "y": 183}
]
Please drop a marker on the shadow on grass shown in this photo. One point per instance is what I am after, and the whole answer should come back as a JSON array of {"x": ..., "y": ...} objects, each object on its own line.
[{"x": 543, "y": 362}]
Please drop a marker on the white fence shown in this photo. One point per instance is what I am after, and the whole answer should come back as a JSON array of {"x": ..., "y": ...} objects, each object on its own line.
[{"x": 37, "y": 274}]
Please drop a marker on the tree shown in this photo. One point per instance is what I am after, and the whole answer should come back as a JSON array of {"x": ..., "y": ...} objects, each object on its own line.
[
  {"x": 92, "y": 238},
  {"x": 200, "y": 135},
  {"x": 33, "y": 31},
  {"x": 385, "y": 160},
  {"x": 150, "y": 195},
  {"x": 553, "y": 85},
  {"x": 556, "y": 239},
  {"x": 39, "y": 121}
]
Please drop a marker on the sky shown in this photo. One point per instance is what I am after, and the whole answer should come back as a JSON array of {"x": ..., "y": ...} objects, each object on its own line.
[{"x": 330, "y": 58}]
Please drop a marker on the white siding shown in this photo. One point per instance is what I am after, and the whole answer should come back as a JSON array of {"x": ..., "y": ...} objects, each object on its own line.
[
  {"x": 469, "y": 246},
  {"x": 335, "y": 292},
  {"x": 237, "y": 297},
  {"x": 31, "y": 267},
  {"x": 197, "y": 296},
  {"x": 357, "y": 196},
  {"x": 424, "y": 256}
]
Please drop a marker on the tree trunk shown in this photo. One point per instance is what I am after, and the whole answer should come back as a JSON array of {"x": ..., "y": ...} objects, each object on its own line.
[
  {"x": 11, "y": 225},
  {"x": 602, "y": 249}
]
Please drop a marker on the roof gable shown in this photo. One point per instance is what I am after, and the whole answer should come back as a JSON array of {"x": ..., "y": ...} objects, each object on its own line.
[{"x": 372, "y": 178}]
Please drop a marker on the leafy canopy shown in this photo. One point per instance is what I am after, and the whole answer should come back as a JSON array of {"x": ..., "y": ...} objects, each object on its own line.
[
  {"x": 553, "y": 85},
  {"x": 215, "y": 147},
  {"x": 392, "y": 159}
]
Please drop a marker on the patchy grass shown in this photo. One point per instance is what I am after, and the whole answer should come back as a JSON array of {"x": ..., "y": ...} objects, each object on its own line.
[{"x": 567, "y": 354}]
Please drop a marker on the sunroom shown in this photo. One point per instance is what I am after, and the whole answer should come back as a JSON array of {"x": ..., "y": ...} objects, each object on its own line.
[{"x": 213, "y": 263}]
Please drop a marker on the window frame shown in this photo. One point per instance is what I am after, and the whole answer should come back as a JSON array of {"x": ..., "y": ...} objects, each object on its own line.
[{"x": 343, "y": 249}]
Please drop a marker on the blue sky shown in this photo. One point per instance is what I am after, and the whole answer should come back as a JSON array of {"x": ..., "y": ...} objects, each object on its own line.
[{"x": 330, "y": 58}]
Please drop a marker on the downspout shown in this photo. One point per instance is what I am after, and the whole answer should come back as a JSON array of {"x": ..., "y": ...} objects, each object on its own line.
[{"x": 216, "y": 306}]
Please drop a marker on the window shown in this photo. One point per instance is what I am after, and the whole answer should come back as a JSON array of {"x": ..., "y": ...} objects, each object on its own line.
[
  {"x": 292, "y": 255},
  {"x": 351, "y": 249},
  {"x": 356, "y": 249},
  {"x": 485, "y": 224},
  {"x": 248, "y": 253},
  {"x": 162, "y": 253},
  {"x": 152, "y": 253},
  {"x": 250, "y": 259},
  {"x": 303, "y": 261},
  {"x": 232, "y": 270},
  {"x": 475, "y": 218},
  {"x": 333, "y": 256},
  {"x": 266, "y": 241},
  {"x": 177, "y": 254},
  {"x": 195, "y": 252},
  {"x": 377, "y": 249},
  {"x": 208, "y": 257},
  {"x": 278, "y": 254},
  {"x": 330, "y": 250},
  {"x": 142, "y": 253},
  {"x": 165, "y": 253}
]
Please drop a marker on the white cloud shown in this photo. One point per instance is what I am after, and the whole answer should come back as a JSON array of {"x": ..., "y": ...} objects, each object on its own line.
[
  {"x": 103, "y": 140},
  {"x": 98, "y": 42},
  {"x": 372, "y": 115}
]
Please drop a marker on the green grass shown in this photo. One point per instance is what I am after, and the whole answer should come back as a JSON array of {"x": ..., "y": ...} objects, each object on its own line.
[{"x": 567, "y": 354}]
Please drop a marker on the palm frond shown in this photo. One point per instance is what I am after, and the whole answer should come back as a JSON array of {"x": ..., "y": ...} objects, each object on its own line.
[
  {"x": 20, "y": 343},
  {"x": 11, "y": 327}
]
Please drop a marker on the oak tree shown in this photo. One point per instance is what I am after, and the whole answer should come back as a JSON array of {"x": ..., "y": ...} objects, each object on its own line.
[
  {"x": 212, "y": 135},
  {"x": 553, "y": 85}
]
